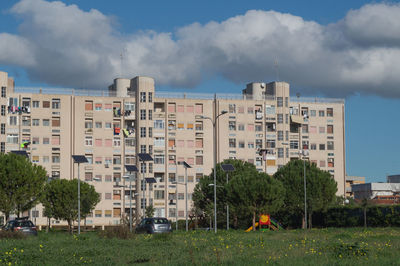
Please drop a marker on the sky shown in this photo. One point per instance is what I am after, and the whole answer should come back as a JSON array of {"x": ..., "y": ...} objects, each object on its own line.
[{"x": 341, "y": 49}]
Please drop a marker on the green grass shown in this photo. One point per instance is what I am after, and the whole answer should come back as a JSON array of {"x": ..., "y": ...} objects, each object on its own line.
[{"x": 378, "y": 246}]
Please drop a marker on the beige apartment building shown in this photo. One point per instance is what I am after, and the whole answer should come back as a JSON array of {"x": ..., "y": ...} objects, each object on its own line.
[{"x": 112, "y": 127}]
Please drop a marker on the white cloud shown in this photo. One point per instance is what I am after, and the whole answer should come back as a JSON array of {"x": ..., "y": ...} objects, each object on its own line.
[{"x": 66, "y": 46}]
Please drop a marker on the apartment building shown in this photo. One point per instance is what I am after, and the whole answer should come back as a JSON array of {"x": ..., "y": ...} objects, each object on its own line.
[{"x": 263, "y": 125}]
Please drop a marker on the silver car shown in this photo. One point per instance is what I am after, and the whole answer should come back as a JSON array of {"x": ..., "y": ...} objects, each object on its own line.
[{"x": 154, "y": 225}]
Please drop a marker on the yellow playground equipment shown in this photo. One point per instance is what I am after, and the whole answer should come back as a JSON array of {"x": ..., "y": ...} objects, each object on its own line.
[{"x": 268, "y": 221}]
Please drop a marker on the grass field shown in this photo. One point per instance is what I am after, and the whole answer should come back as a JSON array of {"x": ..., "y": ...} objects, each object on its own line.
[{"x": 377, "y": 246}]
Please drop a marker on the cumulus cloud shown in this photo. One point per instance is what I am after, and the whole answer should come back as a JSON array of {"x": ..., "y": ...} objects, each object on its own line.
[{"x": 63, "y": 45}]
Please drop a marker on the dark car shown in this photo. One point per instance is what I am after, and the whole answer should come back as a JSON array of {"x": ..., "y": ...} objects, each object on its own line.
[
  {"x": 22, "y": 225},
  {"x": 154, "y": 225}
]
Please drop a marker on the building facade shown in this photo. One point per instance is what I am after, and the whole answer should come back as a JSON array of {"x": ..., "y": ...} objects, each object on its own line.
[{"x": 112, "y": 127}]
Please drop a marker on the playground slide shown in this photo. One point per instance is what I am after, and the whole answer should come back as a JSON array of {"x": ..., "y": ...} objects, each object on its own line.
[{"x": 251, "y": 227}]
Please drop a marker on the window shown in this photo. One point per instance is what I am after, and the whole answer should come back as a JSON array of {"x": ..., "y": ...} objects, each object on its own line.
[
  {"x": 270, "y": 109},
  {"x": 26, "y": 121},
  {"x": 159, "y": 159},
  {"x": 280, "y": 118},
  {"x": 241, "y": 127},
  {"x": 99, "y": 124},
  {"x": 46, "y": 122},
  {"x": 321, "y": 163},
  {"x": 159, "y": 141},
  {"x": 286, "y": 101},
  {"x": 304, "y": 128},
  {"x": 88, "y": 106},
  {"x": 250, "y": 145},
  {"x": 35, "y": 122},
  {"x": 322, "y": 147},
  {"x": 159, "y": 124},
  {"x": 88, "y": 141},
  {"x": 280, "y": 135},
  {"x": 117, "y": 142},
  {"x": 107, "y": 178},
  {"x": 232, "y": 143},
  {"x": 199, "y": 143},
  {"x": 130, "y": 159},
  {"x": 329, "y": 129},
  {"x": 190, "y": 109},
  {"x": 305, "y": 144},
  {"x": 3, "y": 110},
  {"x": 55, "y": 140},
  {"x": 180, "y": 108},
  {"x": 35, "y": 140},
  {"x": 279, "y": 101},
  {"x": 280, "y": 152},
  {"x": 46, "y": 140},
  {"x": 107, "y": 125},
  {"x": 199, "y": 125},
  {"x": 55, "y": 174},
  {"x": 198, "y": 108},
  {"x": 294, "y": 144},
  {"x": 258, "y": 127},
  {"x": 117, "y": 159},
  {"x": 143, "y": 149},
  {"x": 56, "y": 104},
  {"x": 150, "y": 114},
  {"x": 108, "y": 142},
  {"x": 150, "y": 132},
  {"x": 142, "y": 132},
  {"x": 181, "y": 126},
  {"x": 232, "y": 125},
  {"x": 13, "y": 121},
  {"x": 259, "y": 143},
  {"x": 55, "y": 158},
  {"x": 142, "y": 96},
  {"x": 313, "y": 129},
  {"x": 321, "y": 113},
  {"x": 143, "y": 114},
  {"x": 130, "y": 106},
  {"x": 331, "y": 162},
  {"x": 270, "y": 143},
  {"x": 199, "y": 160},
  {"x": 241, "y": 144},
  {"x": 189, "y": 126},
  {"x": 250, "y": 127},
  {"x": 98, "y": 142},
  {"x": 313, "y": 113},
  {"x": 286, "y": 118},
  {"x": 232, "y": 108},
  {"x": 321, "y": 130},
  {"x": 313, "y": 146},
  {"x": 330, "y": 145},
  {"x": 55, "y": 122},
  {"x": 35, "y": 104},
  {"x": 88, "y": 124},
  {"x": 329, "y": 112},
  {"x": 88, "y": 176},
  {"x": 250, "y": 110},
  {"x": 107, "y": 196},
  {"x": 98, "y": 213},
  {"x": 3, "y": 92},
  {"x": 3, "y": 129},
  {"x": 46, "y": 104},
  {"x": 159, "y": 194},
  {"x": 98, "y": 160},
  {"x": 150, "y": 97},
  {"x": 171, "y": 107},
  {"x": 35, "y": 159}
]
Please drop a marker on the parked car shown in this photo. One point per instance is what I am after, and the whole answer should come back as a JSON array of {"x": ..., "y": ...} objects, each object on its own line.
[
  {"x": 23, "y": 225},
  {"x": 154, "y": 225}
]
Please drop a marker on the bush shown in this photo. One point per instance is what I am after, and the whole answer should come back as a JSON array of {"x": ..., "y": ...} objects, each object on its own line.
[
  {"x": 11, "y": 235},
  {"x": 121, "y": 232}
]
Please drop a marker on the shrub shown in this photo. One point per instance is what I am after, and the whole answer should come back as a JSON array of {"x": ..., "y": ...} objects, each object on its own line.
[
  {"x": 11, "y": 235},
  {"x": 121, "y": 232}
]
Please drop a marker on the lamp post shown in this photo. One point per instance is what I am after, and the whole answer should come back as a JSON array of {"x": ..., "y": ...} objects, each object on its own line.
[
  {"x": 186, "y": 165},
  {"x": 227, "y": 168},
  {"x": 79, "y": 159},
  {"x": 305, "y": 153},
  {"x": 214, "y": 123},
  {"x": 144, "y": 157},
  {"x": 130, "y": 169}
]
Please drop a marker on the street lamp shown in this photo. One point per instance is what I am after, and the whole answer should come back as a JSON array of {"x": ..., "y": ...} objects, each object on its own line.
[
  {"x": 130, "y": 169},
  {"x": 79, "y": 159},
  {"x": 214, "y": 123},
  {"x": 144, "y": 157},
  {"x": 227, "y": 168},
  {"x": 305, "y": 153},
  {"x": 186, "y": 165}
]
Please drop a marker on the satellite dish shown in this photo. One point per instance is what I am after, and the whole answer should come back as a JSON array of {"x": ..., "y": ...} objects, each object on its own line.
[{"x": 262, "y": 85}]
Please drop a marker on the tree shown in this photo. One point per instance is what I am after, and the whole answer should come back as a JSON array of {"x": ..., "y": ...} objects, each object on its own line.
[
  {"x": 150, "y": 211},
  {"x": 321, "y": 188},
  {"x": 60, "y": 200},
  {"x": 21, "y": 183},
  {"x": 257, "y": 193}
]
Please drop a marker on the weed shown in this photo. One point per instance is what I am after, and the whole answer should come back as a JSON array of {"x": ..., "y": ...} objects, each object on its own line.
[{"x": 121, "y": 232}]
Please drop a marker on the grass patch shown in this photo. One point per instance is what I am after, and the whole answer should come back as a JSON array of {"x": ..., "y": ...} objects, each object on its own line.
[{"x": 318, "y": 246}]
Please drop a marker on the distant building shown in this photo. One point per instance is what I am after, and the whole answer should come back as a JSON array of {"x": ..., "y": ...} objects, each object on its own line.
[
  {"x": 352, "y": 180},
  {"x": 393, "y": 179},
  {"x": 380, "y": 193}
]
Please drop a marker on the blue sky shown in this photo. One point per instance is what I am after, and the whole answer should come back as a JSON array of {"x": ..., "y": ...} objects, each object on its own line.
[{"x": 325, "y": 48}]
